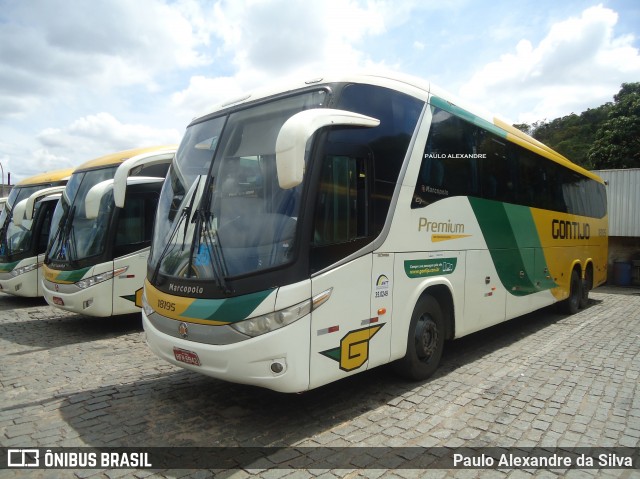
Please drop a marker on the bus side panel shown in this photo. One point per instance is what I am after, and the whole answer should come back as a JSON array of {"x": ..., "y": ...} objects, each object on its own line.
[
  {"x": 415, "y": 273},
  {"x": 485, "y": 297},
  {"x": 342, "y": 334},
  {"x": 382, "y": 307},
  {"x": 516, "y": 248},
  {"x": 568, "y": 240},
  {"x": 127, "y": 284}
]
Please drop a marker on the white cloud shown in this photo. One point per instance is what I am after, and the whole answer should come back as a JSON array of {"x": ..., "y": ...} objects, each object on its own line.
[
  {"x": 579, "y": 64},
  {"x": 203, "y": 94},
  {"x": 90, "y": 137},
  {"x": 271, "y": 40},
  {"x": 57, "y": 47},
  {"x": 278, "y": 36}
]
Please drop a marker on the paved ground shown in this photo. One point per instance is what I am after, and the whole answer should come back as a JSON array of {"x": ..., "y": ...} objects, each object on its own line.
[{"x": 544, "y": 380}]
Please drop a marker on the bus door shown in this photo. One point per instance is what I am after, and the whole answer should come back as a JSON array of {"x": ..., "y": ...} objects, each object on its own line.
[
  {"x": 131, "y": 248},
  {"x": 42, "y": 219},
  {"x": 345, "y": 334}
]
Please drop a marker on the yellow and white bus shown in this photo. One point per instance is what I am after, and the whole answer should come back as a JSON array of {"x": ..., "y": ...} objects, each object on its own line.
[
  {"x": 23, "y": 240},
  {"x": 101, "y": 232},
  {"x": 310, "y": 233}
]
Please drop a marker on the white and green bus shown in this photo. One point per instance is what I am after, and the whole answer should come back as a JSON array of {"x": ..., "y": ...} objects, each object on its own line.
[
  {"x": 101, "y": 233},
  {"x": 309, "y": 233},
  {"x": 25, "y": 221}
]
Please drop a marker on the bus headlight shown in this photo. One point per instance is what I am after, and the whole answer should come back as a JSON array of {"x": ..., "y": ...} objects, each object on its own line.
[
  {"x": 276, "y": 320},
  {"x": 272, "y": 321},
  {"x": 24, "y": 269},
  {"x": 99, "y": 278},
  {"x": 146, "y": 307}
]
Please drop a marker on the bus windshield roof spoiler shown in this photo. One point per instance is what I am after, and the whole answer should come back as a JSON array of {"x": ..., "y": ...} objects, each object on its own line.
[
  {"x": 127, "y": 166},
  {"x": 24, "y": 209},
  {"x": 296, "y": 131}
]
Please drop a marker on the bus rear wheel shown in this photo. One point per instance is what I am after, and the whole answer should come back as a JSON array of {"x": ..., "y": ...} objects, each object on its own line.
[
  {"x": 425, "y": 341},
  {"x": 587, "y": 284},
  {"x": 572, "y": 303}
]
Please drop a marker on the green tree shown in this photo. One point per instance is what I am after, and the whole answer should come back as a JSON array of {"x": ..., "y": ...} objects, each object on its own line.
[
  {"x": 617, "y": 142},
  {"x": 571, "y": 135}
]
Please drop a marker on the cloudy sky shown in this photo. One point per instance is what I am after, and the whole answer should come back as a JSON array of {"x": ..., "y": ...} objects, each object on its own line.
[{"x": 83, "y": 78}]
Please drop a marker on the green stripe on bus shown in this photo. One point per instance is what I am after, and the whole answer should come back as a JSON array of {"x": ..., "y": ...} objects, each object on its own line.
[
  {"x": 464, "y": 114},
  {"x": 71, "y": 276},
  {"x": 7, "y": 267},
  {"x": 228, "y": 310},
  {"x": 514, "y": 245}
]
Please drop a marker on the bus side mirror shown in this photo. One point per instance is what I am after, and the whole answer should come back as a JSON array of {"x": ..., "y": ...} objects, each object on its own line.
[
  {"x": 94, "y": 198},
  {"x": 31, "y": 200},
  {"x": 127, "y": 166},
  {"x": 293, "y": 136},
  {"x": 19, "y": 210}
]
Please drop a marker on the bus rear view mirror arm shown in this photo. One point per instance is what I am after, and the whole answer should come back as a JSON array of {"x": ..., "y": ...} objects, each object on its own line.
[
  {"x": 129, "y": 165},
  {"x": 293, "y": 136},
  {"x": 94, "y": 198}
]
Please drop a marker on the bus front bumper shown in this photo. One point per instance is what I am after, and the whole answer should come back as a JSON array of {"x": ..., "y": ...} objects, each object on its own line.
[
  {"x": 93, "y": 301},
  {"x": 25, "y": 284},
  {"x": 278, "y": 360}
]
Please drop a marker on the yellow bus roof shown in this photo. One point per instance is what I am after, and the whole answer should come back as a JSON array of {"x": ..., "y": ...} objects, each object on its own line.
[
  {"x": 114, "y": 159},
  {"x": 47, "y": 177}
]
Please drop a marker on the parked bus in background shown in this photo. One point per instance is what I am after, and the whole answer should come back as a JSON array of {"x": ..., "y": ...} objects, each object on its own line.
[
  {"x": 101, "y": 232},
  {"x": 23, "y": 241},
  {"x": 310, "y": 233}
]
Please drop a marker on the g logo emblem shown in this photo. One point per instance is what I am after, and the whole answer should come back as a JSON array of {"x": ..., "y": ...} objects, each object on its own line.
[{"x": 354, "y": 348}]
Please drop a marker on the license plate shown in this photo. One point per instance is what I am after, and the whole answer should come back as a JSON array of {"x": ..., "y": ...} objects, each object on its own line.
[{"x": 187, "y": 357}]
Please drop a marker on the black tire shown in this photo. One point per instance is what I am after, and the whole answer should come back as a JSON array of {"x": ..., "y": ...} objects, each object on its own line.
[
  {"x": 572, "y": 303},
  {"x": 425, "y": 341},
  {"x": 586, "y": 287}
]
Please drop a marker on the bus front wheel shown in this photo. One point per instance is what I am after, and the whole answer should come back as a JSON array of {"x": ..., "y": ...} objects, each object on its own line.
[{"x": 425, "y": 341}]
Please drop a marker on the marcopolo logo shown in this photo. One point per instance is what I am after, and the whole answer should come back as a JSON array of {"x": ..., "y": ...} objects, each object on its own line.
[{"x": 570, "y": 230}]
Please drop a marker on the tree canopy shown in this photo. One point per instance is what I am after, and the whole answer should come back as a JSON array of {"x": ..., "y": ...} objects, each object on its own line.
[{"x": 600, "y": 138}]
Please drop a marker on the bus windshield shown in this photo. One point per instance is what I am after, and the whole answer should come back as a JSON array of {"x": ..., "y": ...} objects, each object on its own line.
[
  {"x": 16, "y": 239},
  {"x": 222, "y": 212},
  {"x": 74, "y": 236}
]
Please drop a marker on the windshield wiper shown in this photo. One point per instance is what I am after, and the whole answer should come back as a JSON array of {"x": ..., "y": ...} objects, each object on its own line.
[
  {"x": 61, "y": 235},
  {"x": 202, "y": 218},
  {"x": 184, "y": 214}
]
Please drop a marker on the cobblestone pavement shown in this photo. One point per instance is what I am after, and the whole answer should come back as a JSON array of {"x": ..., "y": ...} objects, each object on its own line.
[{"x": 544, "y": 380}]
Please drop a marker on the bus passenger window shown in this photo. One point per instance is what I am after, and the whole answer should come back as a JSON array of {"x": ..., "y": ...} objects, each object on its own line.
[
  {"x": 135, "y": 223},
  {"x": 449, "y": 163}
]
